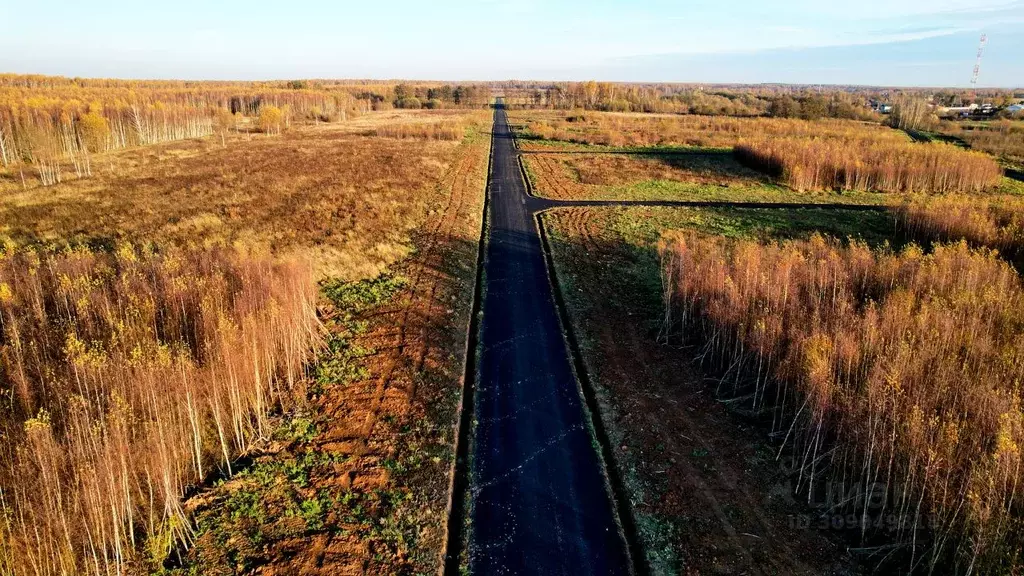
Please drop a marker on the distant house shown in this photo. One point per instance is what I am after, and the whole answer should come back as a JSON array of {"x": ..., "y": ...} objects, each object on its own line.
[
  {"x": 880, "y": 106},
  {"x": 1015, "y": 108}
]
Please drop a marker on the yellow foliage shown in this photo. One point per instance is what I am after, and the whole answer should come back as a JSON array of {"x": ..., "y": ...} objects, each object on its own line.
[
  {"x": 925, "y": 377},
  {"x": 271, "y": 119}
]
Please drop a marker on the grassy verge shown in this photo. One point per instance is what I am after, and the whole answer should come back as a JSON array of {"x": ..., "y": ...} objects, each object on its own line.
[
  {"x": 1011, "y": 186},
  {"x": 639, "y": 228},
  {"x": 686, "y": 191}
]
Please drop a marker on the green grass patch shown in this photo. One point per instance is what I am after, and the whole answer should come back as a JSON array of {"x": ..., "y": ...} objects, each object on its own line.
[
  {"x": 340, "y": 362},
  {"x": 274, "y": 498},
  {"x": 641, "y": 227},
  {"x": 1011, "y": 186},
  {"x": 769, "y": 193}
]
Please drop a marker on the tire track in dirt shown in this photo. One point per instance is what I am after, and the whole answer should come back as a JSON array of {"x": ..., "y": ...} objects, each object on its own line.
[
  {"x": 422, "y": 292},
  {"x": 399, "y": 356},
  {"x": 422, "y": 302}
]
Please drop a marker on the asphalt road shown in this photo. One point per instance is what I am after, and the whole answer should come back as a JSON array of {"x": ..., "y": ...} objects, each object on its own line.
[
  {"x": 540, "y": 502},
  {"x": 539, "y": 498}
]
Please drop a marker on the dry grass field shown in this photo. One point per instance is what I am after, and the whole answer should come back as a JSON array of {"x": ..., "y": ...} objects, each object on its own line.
[
  {"x": 348, "y": 471},
  {"x": 540, "y": 130},
  {"x": 358, "y": 481},
  {"x": 344, "y": 197}
]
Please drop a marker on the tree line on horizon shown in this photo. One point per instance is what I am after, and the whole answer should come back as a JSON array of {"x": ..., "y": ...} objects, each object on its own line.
[{"x": 51, "y": 127}]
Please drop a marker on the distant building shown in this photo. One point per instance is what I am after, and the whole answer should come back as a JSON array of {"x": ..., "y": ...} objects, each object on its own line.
[
  {"x": 962, "y": 111},
  {"x": 880, "y": 106},
  {"x": 1016, "y": 108}
]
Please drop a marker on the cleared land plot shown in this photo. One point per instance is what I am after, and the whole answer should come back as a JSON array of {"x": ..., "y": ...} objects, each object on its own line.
[
  {"x": 353, "y": 477},
  {"x": 542, "y": 129},
  {"x": 709, "y": 494},
  {"x": 348, "y": 200},
  {"x": 711, "y": 176},
  {"x": 379, "y": 450}
]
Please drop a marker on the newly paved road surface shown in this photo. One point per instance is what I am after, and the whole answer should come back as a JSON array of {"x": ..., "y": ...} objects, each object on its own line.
[{"x": 539, "y": 499}]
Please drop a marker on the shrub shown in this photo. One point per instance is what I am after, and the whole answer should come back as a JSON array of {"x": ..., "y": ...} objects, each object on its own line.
[
  {"x": 868, "y": 164},
  {"x": 130, "y": 377},
  {"x": 271, "y": 120},
  {"x": 895, "y": 372},
  {"x": 410, "y": 103},
  {"x": 996, "y": 223},
  {"x": 94, "y": 131}
]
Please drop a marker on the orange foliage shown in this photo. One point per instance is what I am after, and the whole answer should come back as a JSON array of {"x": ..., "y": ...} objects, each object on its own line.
[
  {"x": 1002, "y": 137},
  {"x": 691, "y": 130},
  {"x": 859, "y": 163},
  {"x": 129, "y": 377},
  {"x": 996, "y": 223},
  {"x": 897, "y": 371}
]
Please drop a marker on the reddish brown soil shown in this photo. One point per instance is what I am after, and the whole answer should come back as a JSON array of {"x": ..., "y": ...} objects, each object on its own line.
[
  {"x": 415, "y": 376},
  {"x": 391, "y": 433}
]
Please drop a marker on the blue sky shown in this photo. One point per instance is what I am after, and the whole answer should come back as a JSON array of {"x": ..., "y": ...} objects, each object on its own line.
[{"x": 890, "y": 42}]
